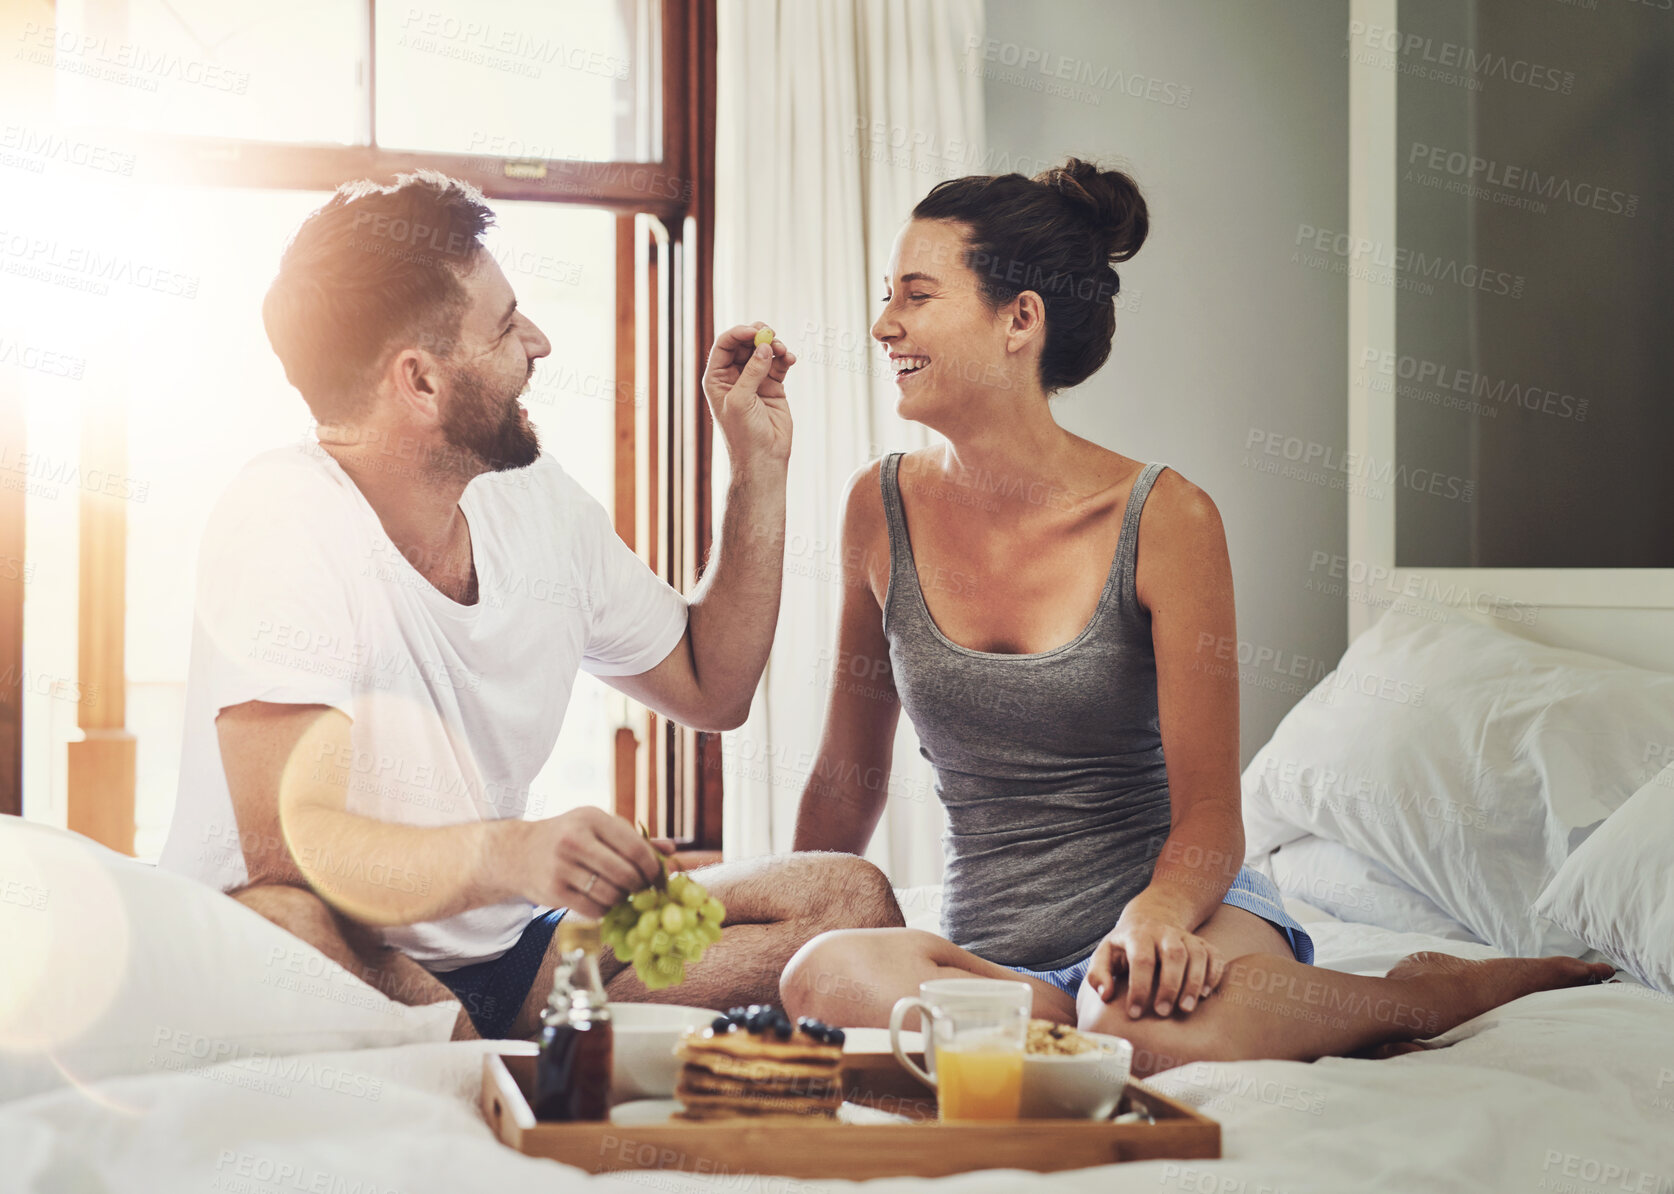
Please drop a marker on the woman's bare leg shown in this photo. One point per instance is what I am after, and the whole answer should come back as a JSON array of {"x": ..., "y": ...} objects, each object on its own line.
[
  {"x": 1268, "y": 1003},
  {"x": 853, "y": 978},
  {"x": 1271, "y": 1005}
]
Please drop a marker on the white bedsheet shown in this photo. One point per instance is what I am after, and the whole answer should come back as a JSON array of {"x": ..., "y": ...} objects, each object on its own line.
[{"x": 1563, "y": 1091}]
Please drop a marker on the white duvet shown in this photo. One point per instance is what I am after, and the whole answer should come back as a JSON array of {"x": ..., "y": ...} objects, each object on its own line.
[{"x": 1567, "y": 1091}]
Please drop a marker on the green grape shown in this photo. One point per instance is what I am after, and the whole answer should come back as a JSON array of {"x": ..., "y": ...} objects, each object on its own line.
[{"x": 663, "y": 927}]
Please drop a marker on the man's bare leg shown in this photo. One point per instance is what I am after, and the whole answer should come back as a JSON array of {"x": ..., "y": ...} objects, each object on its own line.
[
  {"x": 356, "y": 948},
  {"x": 774, "y": 906},
  {"x": 1268, "y": 1003}
]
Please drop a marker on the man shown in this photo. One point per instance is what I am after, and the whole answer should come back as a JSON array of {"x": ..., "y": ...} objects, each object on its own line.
[{"x": 389, "y": 622}]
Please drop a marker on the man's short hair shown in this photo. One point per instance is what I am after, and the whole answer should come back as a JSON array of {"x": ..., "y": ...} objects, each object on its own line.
[{"x": 375, "y": 270}]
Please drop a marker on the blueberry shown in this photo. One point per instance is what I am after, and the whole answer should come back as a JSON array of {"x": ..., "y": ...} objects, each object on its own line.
[
  {"x": 782, "y": 1029},
  {"x": 834, "y": 1036},
  {"x": 737, "y": 1013},
  {"x": 720, "y": 1024}
]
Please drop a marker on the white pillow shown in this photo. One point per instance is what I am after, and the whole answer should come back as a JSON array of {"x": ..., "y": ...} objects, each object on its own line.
[
  {"x": 1351, "y": 887},
  {"x": 1465, "y": 760},
  {"x": 110, "y": 967},
  {"x": 1616, "y": 892}
]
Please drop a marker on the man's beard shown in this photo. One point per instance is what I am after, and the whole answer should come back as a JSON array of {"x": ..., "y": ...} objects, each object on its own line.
[{"x": 486, "y": 428}]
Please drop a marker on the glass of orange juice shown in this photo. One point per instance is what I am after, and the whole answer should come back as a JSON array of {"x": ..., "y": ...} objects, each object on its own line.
[{"x": 973, "y": 1044}]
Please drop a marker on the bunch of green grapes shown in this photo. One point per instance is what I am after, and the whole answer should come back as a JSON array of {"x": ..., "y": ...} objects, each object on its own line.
[{"x": 662, "y": 928}]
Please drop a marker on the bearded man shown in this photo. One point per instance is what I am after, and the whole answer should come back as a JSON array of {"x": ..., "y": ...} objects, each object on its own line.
[{"x": 390, "y": 617}]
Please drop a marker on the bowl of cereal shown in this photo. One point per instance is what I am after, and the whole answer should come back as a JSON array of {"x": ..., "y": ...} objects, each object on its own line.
[{"x": 1069, "y": 1074}]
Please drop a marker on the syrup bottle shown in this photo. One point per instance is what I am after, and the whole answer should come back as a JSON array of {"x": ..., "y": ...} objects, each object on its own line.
[{"x": 572, "y": 1073}]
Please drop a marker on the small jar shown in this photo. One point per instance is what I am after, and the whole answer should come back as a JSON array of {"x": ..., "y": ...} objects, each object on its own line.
[{"x": 572, "y": 1074}]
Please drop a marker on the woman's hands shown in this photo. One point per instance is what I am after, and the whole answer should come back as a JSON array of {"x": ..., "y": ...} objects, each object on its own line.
[
  {"x": 745, "y": 385},
  {"x": 1152, "y": 950}
]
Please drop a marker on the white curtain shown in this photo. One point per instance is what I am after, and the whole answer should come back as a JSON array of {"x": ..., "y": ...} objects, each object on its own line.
[{"x": 833, "y": 118}]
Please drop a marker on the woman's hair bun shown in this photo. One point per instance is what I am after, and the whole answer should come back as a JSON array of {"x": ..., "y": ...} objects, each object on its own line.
[
  {"x": 1058, "y": 234},
  {"x": 1109, "y": 199}
]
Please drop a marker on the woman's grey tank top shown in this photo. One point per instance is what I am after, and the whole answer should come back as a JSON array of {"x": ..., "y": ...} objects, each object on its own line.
[{"x": 1050, "y": 765}]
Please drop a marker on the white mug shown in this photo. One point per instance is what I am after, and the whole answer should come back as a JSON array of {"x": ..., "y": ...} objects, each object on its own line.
[{"x": 964, "y": 1015}]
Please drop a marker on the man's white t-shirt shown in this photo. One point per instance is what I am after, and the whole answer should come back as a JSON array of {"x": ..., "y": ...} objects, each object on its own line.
[{"x": 303, "y": 599}]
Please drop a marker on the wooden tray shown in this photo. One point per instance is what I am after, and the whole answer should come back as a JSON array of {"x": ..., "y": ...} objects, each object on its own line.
[{"x": 827, "y": 1148}]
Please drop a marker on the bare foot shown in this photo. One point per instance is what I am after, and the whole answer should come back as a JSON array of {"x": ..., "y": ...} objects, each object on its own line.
[{"x": 1458, "y": 989}]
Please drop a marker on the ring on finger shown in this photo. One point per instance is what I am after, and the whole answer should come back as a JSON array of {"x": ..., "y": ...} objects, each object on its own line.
[{"x": 591, "y": 879}]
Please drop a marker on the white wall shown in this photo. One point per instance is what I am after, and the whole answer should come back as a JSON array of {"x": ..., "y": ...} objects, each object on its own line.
[{"x": 1224, "y": 333}]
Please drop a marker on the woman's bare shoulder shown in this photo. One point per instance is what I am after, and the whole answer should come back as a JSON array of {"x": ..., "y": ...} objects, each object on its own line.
[
  {"x": 1182, "y": 505},
  {"x": 1182, "y": 542},
  {"x": 865, "y": 536},
  {"x": 863, "y": 496}
]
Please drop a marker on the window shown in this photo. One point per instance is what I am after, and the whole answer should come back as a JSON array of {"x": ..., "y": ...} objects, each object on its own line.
[
  {"x": 590, "y": 141},
  {"x": 544, "y": 64}
]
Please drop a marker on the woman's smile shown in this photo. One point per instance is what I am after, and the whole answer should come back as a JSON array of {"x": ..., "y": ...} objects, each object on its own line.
[{"x": 907, "y": 365}]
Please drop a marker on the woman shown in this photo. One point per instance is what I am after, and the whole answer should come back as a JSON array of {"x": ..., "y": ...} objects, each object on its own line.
[{"x": 1052, "y": 615}]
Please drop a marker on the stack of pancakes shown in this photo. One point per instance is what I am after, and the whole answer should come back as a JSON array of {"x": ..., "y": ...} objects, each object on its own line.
[{"x": 737, "y": 1071}]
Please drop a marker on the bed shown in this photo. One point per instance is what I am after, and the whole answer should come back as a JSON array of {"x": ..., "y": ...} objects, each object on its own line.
[
  {"x": 1560, "y": 1091},
  {"x": 1522, "y": 802}
]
